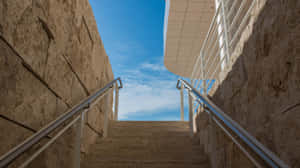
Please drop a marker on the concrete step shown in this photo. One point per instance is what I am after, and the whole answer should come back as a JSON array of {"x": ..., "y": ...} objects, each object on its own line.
[
  {"x": 147, "y": 144},
  {"x": 147, "y": 133},
  {"x": 148, "y": 129},
  {"x": 142, "y": 138},
  {"x": 148, "y": 155},
  {"x": 145, "y": 164},
  {"x": 114, "y": 134},
  {"x": 146, "y": 152},
  {"x": 150, "y": 123},
  {"x": 144, "y": 143},
  {"x": 124, "y": 128}
]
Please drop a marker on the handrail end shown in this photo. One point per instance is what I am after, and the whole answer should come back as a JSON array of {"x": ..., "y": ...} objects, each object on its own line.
[
  {"x": 120, "y": 82},
  {"x": 177, "y": 85}
]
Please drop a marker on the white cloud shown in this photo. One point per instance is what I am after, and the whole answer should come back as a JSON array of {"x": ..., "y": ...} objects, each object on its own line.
[
  {"x": 171, "y": 118},
  {"x": 137, "y": 97},
  {"x": 154, "y": 67},
  {"x": 148, "y": 93}
]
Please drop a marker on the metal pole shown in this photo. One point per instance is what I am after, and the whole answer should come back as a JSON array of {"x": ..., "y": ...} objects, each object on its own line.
[
  {"x": 116, "y": 102},
  {"x": 191, "y": 110},
  {"x": 182, "y": 102},
  {"x": 211, "y": 132},
  {"x": 194, "y": 123},
  {"x": 226, "y": 34},
  {"x": 79, "y": 133},
  {"x": 193, "y": 81},
  {"x": 203, "y": 75},
  {"x": 106, "y": 116}
]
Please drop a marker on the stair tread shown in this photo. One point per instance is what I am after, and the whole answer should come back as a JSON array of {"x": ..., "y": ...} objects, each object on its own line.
[
  {"x": 146, "y": 165},
  {"x": 146, "y": 155},
  {"x": 187, "y": 158},
  {"x": 127, "y": 161},
  {"x": 147, "y": 144}
]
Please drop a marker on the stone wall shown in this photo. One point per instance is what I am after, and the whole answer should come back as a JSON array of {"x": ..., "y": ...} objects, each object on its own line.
[
  {"x": 51, "y": 57},
  {"x": 262, "y": 89}
]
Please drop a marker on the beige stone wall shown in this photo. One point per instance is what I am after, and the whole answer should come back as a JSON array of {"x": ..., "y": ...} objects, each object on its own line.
[
  {"x": 262, "y": 89},
  {"x": 51, "y": 57}
]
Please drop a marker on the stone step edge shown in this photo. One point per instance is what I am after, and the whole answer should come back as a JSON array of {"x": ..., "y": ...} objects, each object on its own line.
[{"x": 151, "y": 161}]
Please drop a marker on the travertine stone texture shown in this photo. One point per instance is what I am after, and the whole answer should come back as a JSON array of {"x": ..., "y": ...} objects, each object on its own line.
[
  {"x": 51, "y": 57},
  {"x": 262, "y": 90}
]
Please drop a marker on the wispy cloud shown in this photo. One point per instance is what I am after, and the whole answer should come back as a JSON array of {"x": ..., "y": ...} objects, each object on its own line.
[
  {"x": 148, "y": 98},
  {"x": 149, "y": 88},
  {"x": 154, "y": 67},
  {"x": 123, "y": 53},
  {"x": 147, "y": 93}
]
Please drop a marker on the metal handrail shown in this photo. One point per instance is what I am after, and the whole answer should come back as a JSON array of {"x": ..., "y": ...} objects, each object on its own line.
[
  {"x": 218, "y": 115},
  {"x": 17, "y": 151}
]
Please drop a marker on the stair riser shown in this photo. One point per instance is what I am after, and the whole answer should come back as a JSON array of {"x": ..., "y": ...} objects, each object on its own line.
[
  {"x": 143, "y": 140},
  {"x": 147, "y": 134},
  {"x": 150, "y": 123},
  {"x": 113, "y": 129},
  {"x": 145, "y": 151},
  {"x": 147, "y": 145},
  {"x": 144, "y": 147},
  {"x": 145, "y": 165},
  {"x": 147, "y": 157},
  {"x": 151, "y": 126}
]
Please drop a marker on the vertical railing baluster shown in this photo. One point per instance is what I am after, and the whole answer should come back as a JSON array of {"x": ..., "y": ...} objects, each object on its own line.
[
  {"x": 227, "y": 52},
  {"x": 106, "y": 115},
  {"x": 191, "y": 113},
  {"x": 194, "y": 121},
  {"x": 116, "y": 110},
  {"x": 182, "y": 102},
  {"x": 202, "y": 71},
  {"x": 79, "y": 133},
  {"x": 203, "y": 75},
  {"x": 211, "y": 135}
]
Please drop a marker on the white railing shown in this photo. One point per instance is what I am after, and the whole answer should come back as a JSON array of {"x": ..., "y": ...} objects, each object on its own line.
[
  {"x": 227, "y": 25},
  {"x": 76, "y": 114}
]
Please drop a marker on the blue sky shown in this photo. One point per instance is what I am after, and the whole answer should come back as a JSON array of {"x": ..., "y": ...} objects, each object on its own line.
[{"x": 132, "y": 33}]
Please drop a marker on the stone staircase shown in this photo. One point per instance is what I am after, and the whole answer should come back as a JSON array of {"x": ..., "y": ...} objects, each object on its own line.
[{"x": 146, "y": 144}]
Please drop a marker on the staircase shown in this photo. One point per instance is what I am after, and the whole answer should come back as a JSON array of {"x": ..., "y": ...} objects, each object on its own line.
[
  {"x": 146, "y": 144},
  {"x": 138, "y": 144}
]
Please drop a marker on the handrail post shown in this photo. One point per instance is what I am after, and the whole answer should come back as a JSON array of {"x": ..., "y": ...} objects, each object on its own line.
[
  {"x": 79, "y": 133},
  {"x": 116, "y": 110},
  {"x": 194, "y": 122},
  {"x": 191, "y": 113},
  {"x": 106, "y": 115},
  {"x": 182, "y": 102},
  {"x": 211, "y": 134}
]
